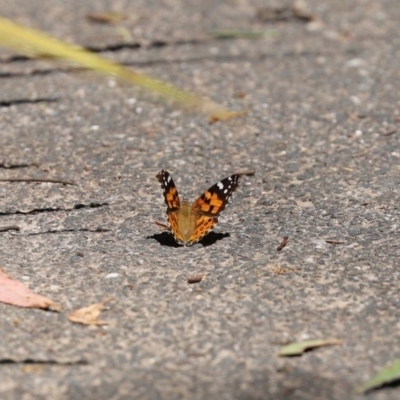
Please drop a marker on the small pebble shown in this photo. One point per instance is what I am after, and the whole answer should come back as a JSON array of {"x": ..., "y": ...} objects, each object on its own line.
[{"x": 112, "y": 275}]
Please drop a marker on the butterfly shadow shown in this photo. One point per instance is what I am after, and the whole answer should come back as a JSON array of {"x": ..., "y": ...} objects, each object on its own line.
[
  {"x": 166, "y": 239},
  {"x": 212, "y": 238}
]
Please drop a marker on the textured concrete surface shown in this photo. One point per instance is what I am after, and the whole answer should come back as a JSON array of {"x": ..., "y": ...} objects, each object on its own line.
[{"x": 322, "y": 135}]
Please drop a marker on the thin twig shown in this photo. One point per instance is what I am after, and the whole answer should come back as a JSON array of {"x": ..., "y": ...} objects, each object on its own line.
[
  {"x": 283, "y": 243},
  {"x": 162, "y": 226},
  {"x": 392, "y": 132},
  {"x": 246, "y": 172}
]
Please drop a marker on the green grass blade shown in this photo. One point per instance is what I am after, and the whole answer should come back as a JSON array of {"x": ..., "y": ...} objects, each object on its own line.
[
  {"x": 298, "y": 348},
  {"x": 384, "y": 376},
  {"x": 37, "y": 44}
]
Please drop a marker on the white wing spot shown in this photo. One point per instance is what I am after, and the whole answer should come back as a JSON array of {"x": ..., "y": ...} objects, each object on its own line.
[
  {"x": 226, "y": 191},
  {"x": 220, "y": 185}
]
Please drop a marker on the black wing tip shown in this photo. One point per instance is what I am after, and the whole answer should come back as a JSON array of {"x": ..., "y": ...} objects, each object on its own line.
[
  {"x": 162, "y": 175},
  {"x": 234, "y": 178}
]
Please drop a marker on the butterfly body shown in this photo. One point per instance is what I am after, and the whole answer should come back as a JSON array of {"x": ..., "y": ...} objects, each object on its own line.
[
  {"x": 185, "y": 222},
  {"x": 191, "y": 222}
]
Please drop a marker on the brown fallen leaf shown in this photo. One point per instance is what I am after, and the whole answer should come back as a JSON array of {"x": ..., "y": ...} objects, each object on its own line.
[
  {"x": 89, "y": 315},
  {"x": 225, "y": 115},
  {"x": 16, "y": 293}
]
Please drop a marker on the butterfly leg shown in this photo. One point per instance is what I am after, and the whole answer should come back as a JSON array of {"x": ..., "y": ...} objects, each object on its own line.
[{"x": 162, "y": 226}]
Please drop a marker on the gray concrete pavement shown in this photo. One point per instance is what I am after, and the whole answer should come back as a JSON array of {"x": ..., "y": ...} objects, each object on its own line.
[{"x": 322, "y": 135}]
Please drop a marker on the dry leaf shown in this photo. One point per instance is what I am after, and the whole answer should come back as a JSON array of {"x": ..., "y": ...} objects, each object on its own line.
[
  {"x": 89, "y": 315},
  {"x": 223, "y": 115},
  {"x": 16, "y": 293}
]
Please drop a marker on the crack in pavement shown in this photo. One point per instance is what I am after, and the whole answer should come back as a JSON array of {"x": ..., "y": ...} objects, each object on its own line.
[
  {"x": 190, "y": 60},
  {"x": 35, "y": 211},
  {"x": 157, "y": 43},
  {"x": 97, "y": 230},
  {"x": 50, "y": 361},
  {"x": 5, "y": 165},
  {"x": 9, "y": 103}
]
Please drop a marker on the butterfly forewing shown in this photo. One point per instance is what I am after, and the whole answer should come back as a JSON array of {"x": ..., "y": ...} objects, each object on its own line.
[
  {"x": 170, "y": 192},
  {"x": 213, "y": 201}
]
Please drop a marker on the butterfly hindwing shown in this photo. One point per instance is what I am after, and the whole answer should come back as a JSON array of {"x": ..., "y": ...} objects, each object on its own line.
[
  {"x": 174, "y": 228},
  {"x": 204, "y": 225}
]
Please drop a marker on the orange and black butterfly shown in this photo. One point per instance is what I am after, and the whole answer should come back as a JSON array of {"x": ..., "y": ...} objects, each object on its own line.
[{"x": 190, "y": 223}]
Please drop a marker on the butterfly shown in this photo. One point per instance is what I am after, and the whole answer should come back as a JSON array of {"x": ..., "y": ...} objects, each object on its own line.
[{"x": 191, "y": 222}]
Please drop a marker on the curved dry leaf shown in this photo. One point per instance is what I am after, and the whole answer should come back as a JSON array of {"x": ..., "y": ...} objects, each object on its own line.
[
  {"x": 18, "y": 294},
  {"x": 89, "y": 315}
]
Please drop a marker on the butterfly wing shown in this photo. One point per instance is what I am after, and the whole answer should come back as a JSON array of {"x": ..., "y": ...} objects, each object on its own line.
[
  {"x": 213, "y": 201},
  {"x": 210, "y": 205},
  {"x": 174, "y": 227},
  {"x": 170, "y": 192},
  {"x": 204, "y": 225},
  {"x": 172, "y": 201}
]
